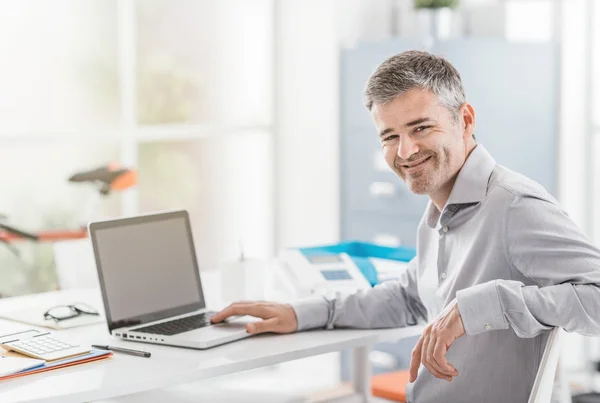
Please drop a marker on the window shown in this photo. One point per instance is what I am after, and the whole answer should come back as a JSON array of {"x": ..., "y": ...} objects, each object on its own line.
[
  {"x": 52, "y": 76},
  {"x": 178, "y": 89},
  {"x": 37, "y": 195},
  {"x": 204, "y": 61},
  {"x": 224, "y": 183}
]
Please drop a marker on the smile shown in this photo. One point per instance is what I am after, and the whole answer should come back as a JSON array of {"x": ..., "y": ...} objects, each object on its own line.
[{"x": 414, "y": 167}]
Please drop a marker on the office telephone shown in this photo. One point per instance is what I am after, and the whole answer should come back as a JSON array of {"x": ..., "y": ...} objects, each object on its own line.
[{"x": 321, "y": 273}]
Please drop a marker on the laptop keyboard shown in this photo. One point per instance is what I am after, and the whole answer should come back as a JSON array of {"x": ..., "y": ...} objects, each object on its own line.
[{"x": 177, "y": 326}]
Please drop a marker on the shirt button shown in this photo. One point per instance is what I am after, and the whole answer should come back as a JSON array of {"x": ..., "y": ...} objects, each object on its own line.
[
  {"x": 488, "y": 327},
  {"x": 443, "y": 276},
  {"x": 445, "y": 228}
]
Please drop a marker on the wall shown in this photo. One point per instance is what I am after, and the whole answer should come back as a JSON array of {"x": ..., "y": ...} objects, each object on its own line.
[
  {"x": 575, "y": 351},
  {"x": 307, "y": 147}
]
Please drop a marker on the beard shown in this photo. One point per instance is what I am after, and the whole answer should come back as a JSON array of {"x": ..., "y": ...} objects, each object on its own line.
[{"x": 431, "y": 177}]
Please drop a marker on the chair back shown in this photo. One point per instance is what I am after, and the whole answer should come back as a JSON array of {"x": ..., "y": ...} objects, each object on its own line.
[{"x": 544, "y": 379}]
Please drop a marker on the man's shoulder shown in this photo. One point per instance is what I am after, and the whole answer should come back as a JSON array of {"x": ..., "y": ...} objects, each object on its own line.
[{"x": 506, "y": 185}]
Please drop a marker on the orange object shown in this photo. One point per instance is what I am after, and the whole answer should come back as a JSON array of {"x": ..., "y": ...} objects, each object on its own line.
[
  {"x": 52, "y": 235},
  {"x": 125, "y": 180},
  {"x": 391, "y": 385},
  {"x": 108, "y": 177}
]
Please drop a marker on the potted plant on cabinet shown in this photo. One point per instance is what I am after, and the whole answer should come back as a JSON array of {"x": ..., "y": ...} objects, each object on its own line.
[{"x": 436, "y": 15}]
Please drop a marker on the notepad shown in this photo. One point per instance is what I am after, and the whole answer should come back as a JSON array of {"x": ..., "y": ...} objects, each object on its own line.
[{"x": 12, "y": 365}]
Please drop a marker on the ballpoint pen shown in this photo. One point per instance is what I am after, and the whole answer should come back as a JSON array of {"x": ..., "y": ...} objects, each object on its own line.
[{"x": 123, "y": 350}]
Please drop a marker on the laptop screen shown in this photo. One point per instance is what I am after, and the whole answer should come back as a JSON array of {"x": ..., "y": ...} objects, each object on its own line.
[{"x": 147, "y": 268}]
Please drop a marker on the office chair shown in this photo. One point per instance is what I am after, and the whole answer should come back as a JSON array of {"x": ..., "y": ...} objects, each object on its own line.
[
  {"x": 392, "y": 385},
  {"x": 541, "y": 392}
]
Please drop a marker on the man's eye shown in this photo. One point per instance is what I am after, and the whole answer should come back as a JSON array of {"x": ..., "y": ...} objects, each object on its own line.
[
  {"x": 422, "y": 128},
  {"x": 392, "y": 137}
]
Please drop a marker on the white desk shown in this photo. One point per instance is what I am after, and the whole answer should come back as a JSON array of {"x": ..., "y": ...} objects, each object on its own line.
[{"x": 168, "y": 366}]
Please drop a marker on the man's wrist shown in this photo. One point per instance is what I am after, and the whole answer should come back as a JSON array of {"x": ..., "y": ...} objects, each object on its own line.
[
  {"x": 294, "y": 315},
  {"x": 311, "y": 312},
  {"x": 480, "y": 308}
]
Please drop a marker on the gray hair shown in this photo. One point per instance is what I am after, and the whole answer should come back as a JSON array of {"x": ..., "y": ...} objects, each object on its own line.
[{"x": 416, "y": 69}]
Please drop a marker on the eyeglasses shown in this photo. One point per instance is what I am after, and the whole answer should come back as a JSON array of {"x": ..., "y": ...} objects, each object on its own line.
[{"x": 63, "y": 312}]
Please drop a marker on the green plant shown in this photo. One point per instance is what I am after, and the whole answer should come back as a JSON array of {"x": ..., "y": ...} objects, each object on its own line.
[{"x": 436, "y": 3}]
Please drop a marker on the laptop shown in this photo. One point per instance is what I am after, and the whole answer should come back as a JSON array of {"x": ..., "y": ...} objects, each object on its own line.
[{"x": 150, "y": 282}]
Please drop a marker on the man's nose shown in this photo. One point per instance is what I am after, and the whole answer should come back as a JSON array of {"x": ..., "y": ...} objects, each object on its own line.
[{"x": 407, "y": 147}]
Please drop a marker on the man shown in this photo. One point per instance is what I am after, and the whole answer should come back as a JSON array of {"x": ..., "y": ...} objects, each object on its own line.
[{"x": 498, "y": 262}]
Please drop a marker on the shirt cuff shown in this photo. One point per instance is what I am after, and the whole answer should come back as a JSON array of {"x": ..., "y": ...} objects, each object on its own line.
[
  {"x": 480, "y": 308},
  {"x": 311, "y": 313}
]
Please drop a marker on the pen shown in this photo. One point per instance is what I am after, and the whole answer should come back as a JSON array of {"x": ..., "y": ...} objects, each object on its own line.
[{"x": 123, "y": 350}]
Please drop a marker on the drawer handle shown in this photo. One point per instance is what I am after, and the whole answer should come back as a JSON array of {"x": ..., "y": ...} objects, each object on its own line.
[
  {"x": 379, "y": 162},
  {"x": 383, "y": 360},
  {"x": 387, "y": 240},
  {"x": 379, "y": 189}
]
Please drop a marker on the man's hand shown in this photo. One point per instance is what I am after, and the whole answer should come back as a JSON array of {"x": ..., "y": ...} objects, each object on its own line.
[
  {"x": 434, "y": 343},
  {"x": 277, "y": 318}
]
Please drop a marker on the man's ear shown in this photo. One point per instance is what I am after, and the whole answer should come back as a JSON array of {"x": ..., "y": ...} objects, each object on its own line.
[{"x": 467, "y": 114}]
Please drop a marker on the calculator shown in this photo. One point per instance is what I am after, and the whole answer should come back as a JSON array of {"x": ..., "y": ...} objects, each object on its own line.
[{"x": 41, "y": 345}]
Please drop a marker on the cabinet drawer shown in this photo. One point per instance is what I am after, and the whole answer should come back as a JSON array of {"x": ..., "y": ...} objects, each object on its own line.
[
  {"x": 382, "y": 194},
  {"x": 377, "y": 227}
]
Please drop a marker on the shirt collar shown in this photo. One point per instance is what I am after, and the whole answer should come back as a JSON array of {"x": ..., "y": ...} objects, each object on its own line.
[
  {"x": 470, "y": 185},
  {"x": 472, "y": 180}
]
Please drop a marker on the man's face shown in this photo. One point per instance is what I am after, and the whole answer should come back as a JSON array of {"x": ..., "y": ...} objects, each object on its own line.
[{"x": 421, "y": 141}]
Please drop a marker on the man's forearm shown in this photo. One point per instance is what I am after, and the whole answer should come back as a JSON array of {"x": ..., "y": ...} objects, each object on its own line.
[
  {"x": 529, "y": 310},
  {"x": 391, "y": 304}
]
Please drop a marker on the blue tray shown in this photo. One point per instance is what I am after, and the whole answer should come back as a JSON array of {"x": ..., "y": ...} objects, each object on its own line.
[{"x": 360, "y": 252}]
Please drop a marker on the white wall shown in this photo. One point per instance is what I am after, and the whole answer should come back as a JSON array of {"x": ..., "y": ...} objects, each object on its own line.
[
  {"x": 307, "y": 183},
  {"x": 572, "y": 147},
  {"x": 307, "y": 151}
]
